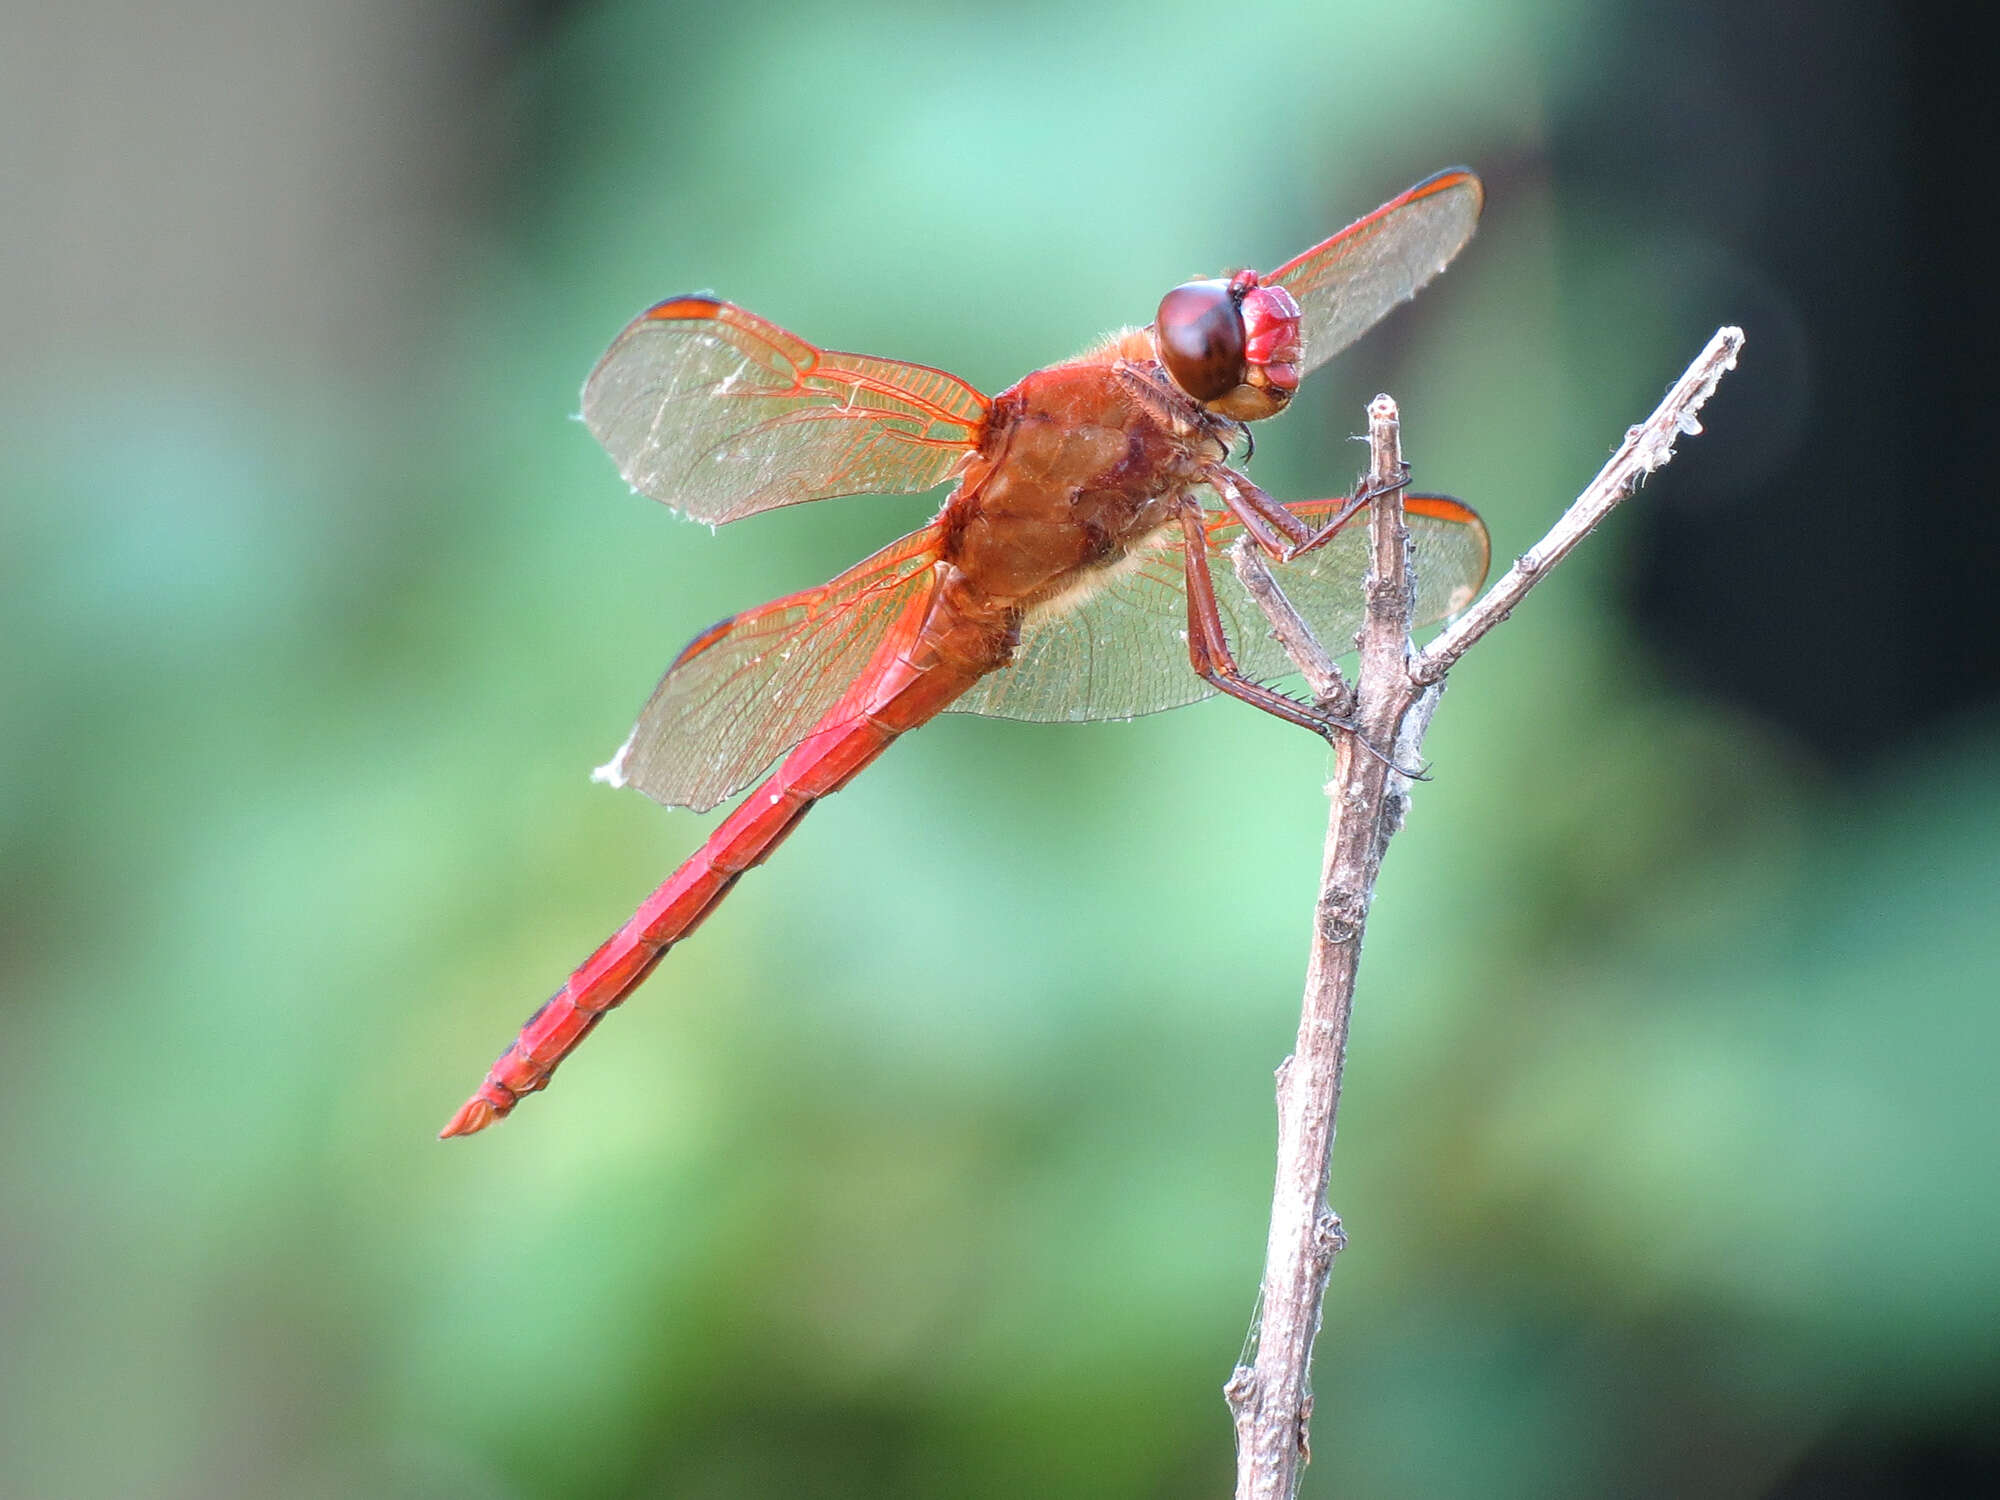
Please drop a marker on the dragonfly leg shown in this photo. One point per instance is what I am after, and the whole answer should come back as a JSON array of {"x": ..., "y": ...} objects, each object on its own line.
[
  {"x": 1281, "y": 534},
  {"x": 1215, "y": 663},
  {"x": 1208, "y": 643}
]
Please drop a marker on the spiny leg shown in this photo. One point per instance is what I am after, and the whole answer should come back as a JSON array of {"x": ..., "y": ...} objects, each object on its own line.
[
  {"x": 1215, "y": 663},
  {"x": 1208, "y": 643},
  {"x": 1274, "y": 527}
]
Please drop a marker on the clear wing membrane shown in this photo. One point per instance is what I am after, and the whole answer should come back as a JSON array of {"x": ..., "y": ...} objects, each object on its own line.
[
  {"x": 1123, "y": 651},
  {"x": 721, "y": 415},
  {"x": 745, "y": 691},
  {"x": 1345, "y": 285}
]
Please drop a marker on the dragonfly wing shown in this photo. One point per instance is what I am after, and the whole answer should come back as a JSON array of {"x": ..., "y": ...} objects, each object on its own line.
[
  {"x": 746, "y": 690},
  {"x": 1116, "y": 652},
  {"x": 1346, "y": 284},
  {"x": 720, "y": 414},
  {"x": 1120, "y": 650}
]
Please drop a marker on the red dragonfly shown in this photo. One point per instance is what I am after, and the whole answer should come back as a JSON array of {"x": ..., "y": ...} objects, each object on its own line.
[{"x": 1067, "y": 577}]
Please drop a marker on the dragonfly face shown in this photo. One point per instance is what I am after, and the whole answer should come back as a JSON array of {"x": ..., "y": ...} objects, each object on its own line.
[{"x": 1232, "y": 344}]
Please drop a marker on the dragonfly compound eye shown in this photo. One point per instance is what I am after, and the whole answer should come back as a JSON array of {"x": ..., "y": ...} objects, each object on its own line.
[{"x": 1199, "y": 332}]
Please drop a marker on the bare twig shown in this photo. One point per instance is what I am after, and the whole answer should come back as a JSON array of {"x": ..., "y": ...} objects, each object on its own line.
[
  {"x": 1395, "y": 692},
  {"x": 1270, "y": 1399},
  {"x": 1647, "y": 447}
]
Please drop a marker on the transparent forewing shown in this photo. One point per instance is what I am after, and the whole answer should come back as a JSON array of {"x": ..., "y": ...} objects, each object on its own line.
[
  {"x": 1121, "y": 649},
  {"x": 748, "y": 689},
  {"x": 721, "y": 415},
  {"x": 1346, "y": 284}
]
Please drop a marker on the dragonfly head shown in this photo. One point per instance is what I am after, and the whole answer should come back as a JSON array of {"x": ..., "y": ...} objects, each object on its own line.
[{"x": 1231, "y": 344}]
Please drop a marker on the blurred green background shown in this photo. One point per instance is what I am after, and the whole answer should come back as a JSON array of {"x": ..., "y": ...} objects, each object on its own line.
[{"x": 938, "y": 1163}]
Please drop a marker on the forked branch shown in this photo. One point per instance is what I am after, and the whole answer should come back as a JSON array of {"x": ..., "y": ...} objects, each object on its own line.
[{"x": 1392, "y": 698}]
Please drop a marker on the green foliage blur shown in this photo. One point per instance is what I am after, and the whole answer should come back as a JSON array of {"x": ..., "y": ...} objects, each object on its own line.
[{"x": 937, "y": 1163}]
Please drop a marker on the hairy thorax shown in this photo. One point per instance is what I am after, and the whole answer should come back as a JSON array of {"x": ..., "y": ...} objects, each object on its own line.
[{"x": 1078, "y": 463}]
